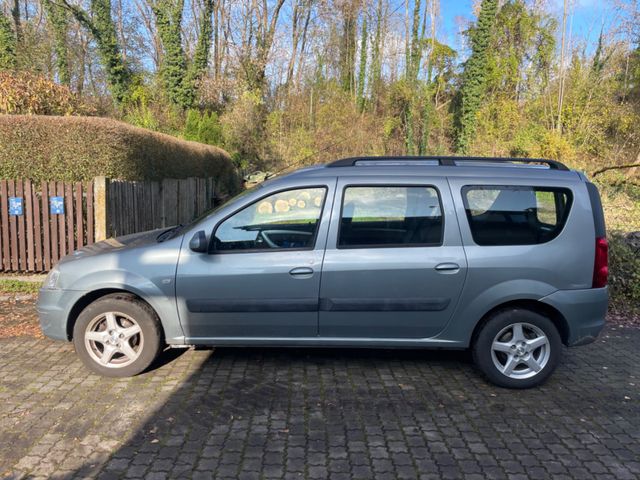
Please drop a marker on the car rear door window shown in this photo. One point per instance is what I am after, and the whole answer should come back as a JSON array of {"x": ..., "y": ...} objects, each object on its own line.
[
  {"x": 387, "y": 216},
  {"x": 283, "y": 220},
  {"x": 515, "y": 215}
]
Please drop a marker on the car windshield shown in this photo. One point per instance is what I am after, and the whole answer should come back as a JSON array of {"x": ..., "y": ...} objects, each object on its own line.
[{"x": 175, "y": 230}]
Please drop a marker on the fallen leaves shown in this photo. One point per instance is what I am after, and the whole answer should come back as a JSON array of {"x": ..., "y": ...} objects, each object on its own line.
[{"x": 18, "y": 317}]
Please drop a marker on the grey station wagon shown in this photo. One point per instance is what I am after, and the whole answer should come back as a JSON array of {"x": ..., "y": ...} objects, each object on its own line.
[{"x": 507, "y": 257}]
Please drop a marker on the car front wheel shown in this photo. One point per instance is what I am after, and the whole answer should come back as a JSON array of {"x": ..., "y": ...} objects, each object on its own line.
[
  {"x": 117, "y": 336},
  {"x": 517, "y": 348}
]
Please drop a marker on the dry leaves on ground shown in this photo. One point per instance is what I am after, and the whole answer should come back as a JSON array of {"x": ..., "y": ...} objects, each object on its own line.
[{"x": 18, "y": 316}]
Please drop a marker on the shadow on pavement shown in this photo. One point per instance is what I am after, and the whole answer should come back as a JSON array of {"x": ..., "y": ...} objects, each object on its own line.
[
  {"x": 307, "y": 413},
  {"x": 363, "y": 414}
]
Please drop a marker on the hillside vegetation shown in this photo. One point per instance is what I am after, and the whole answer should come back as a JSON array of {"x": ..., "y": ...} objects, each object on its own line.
[{"x": 283, "y": 84}]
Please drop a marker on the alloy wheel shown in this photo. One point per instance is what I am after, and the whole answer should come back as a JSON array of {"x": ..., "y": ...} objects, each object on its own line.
[
  {"x": 113, "y": 339},
  {"x": 520, "y": 350}
]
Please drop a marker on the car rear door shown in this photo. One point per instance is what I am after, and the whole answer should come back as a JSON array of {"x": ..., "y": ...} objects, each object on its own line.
[{"x": 394, "y": 266}]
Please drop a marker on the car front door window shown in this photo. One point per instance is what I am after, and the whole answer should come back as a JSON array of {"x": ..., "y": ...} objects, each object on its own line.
[{"x": 283, "y": 220}]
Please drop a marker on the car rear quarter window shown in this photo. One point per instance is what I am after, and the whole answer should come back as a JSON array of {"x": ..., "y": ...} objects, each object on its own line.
[
  {"x": 515, "y": 215},
  {"x": 390, "y": 216}
]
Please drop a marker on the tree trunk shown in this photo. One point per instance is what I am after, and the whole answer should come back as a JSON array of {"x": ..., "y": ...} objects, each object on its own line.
[
  {"x": 303, "y": 43},
  {"x": 295, "y": 35},
  {"x": 474, "y": 77},
  {"x": 58, "y": 18},
  {"x": 173, "y": 68},
  {"x": 348, "y": 44},
  {"x": 412, "y": 79},
  {"x": 264, "y": 42},
  {"x": 562, "y": 54},
  {"x": 376, "y": 54},
  {"x": 100, "y": 24},
  {"x": 17, "y": 24},
  {"x": 362, "y": 74},
  {"x": 200, "y": 60}
]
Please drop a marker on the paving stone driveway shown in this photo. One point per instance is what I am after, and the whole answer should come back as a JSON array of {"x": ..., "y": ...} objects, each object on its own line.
[{"x": 303, "y": 413}]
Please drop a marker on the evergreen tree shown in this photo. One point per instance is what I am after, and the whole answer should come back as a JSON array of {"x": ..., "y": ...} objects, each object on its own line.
[
  {"x": 474, "y": 77},
  {"x": 168, "y": 14},
  {"x": 179, "y": 77},
  {"x": 7, "y": 44},
  {"x": 210, "y": 129},
  {"x": 201, "y": 55},
  {"x": 203, "y": 127},
  {"x": 598, "y": 58}
]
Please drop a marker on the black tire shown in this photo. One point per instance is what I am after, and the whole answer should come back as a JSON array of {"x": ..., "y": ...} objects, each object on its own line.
[
  {"x": 503, "y": 323},
  {"x": 146, "y": 344}
]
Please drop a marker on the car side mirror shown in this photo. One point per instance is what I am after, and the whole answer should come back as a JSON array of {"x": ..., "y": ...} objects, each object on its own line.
[{"x": 198, "y": 242}]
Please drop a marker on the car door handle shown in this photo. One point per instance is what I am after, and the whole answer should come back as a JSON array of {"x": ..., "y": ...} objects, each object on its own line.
[
  {"x": 301, "y": 271},
  {"x": 447, "y": 267}
]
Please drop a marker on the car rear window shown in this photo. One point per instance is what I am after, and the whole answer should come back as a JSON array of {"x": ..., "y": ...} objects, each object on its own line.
[
  {"x": 515, "y": 215},
  {"x": 390, "y": 216}
]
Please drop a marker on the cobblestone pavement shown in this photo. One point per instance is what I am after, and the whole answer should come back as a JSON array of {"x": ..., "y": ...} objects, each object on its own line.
[{"x": 325, "y": 414}]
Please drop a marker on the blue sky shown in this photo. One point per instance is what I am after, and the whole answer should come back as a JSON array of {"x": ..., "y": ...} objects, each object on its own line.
[{"x": 588, "y": 17}]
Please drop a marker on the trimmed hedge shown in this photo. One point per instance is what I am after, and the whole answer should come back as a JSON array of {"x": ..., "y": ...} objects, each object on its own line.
[
  {"x": 81, "y": 148},
  {"x": 624, "y": 271}
]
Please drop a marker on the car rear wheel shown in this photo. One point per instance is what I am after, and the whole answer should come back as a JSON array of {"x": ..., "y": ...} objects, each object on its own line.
[
  {"x": 517, "y": 348},
  {"x": 117, "y": 336}
]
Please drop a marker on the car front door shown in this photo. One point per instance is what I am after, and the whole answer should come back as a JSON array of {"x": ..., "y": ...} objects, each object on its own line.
[
  {"x": 394, "y": 265},
  {"x": 261, "y": 278}
]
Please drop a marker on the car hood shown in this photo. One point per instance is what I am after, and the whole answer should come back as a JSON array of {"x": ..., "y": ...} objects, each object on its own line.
[{"x": 116, "y": 243}]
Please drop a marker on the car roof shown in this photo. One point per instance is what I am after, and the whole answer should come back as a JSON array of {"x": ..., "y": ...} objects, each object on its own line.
[{"x": 475, "y": 167}]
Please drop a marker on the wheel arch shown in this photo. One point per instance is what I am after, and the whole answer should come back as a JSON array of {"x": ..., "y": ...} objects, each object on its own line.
[
  {"x": 94, "y": 295},
  {"x": 533, "y": 305}
]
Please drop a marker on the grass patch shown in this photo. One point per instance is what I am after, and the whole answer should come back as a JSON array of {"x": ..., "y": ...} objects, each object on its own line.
[{"x": 18, "y": 286}]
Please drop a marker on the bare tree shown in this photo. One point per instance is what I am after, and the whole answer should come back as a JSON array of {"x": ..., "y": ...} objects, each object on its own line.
[
  {"x": 258, "y": 33},
  {"x": 562, "y": 60}
]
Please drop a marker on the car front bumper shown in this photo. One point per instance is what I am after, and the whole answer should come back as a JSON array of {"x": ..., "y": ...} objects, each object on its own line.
[
  {"x": 53, "y": 308},
  {"x": 584, "y": 310}
]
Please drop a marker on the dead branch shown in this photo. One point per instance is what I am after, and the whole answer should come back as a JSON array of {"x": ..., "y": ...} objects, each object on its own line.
[{"x": 615, "y": 167}]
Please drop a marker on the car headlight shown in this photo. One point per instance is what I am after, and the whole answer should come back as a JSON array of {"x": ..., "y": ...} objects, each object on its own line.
[{"x": 51, "y": 282}]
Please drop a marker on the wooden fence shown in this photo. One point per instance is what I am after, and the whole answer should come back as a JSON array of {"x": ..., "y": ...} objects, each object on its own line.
[
  {"x": 40, "y": 223},
  {"x": 152, "y": 205},
  {"x": 36, "y": 229}
]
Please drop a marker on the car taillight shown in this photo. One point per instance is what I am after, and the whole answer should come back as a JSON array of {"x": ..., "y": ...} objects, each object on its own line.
[{"x": 601, "y": 263}]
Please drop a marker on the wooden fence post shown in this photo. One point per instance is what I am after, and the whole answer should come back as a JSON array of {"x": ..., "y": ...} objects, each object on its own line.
[{"x": 100, "y": 185}]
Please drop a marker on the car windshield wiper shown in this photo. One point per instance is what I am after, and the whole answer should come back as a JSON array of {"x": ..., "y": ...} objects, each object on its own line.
[{"x": 170, "y": 233}]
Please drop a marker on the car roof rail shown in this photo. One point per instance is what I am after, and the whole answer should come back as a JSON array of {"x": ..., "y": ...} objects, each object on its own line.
[{"x": 443, "y": 161}]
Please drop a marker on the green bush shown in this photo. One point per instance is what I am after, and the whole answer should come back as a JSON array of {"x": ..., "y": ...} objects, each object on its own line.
[
  {"x": 203, "y": 127},
  {"x": 146, "y": 107},
  {"x": 81, "y": 148},
  {"x": 624, "y": 273}
]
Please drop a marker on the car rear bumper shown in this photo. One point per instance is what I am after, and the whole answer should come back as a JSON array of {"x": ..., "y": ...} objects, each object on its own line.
[
  {"x": 53, "y": 311},
  {"x": 584, "y": 311}
]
